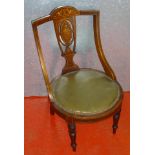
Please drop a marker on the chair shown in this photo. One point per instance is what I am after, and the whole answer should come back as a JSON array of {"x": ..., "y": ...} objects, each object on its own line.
[{"x": 79, "y": 94}]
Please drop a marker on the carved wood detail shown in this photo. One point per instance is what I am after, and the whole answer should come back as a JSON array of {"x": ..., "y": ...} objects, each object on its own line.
[
  {"x": 63, "y": 12},
  {"x": 70, "y": 65},
  {"x": 65, "y": 27},
  {"x": 66, "y": 32}
]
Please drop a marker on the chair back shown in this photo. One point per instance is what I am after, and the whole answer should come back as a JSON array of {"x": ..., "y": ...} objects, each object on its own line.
[{"x": 64, "y": 20}]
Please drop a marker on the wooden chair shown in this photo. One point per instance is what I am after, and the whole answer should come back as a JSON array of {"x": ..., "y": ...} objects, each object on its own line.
[{"x": 79, "y": 94}]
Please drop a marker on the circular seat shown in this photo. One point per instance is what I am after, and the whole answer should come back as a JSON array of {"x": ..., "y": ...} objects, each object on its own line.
[{"x": 85, "y": 92}]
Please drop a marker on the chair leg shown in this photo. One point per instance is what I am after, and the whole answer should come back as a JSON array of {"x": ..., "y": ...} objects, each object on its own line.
[
  {"x": 115, "y": 121},
  {"x": 72, "y": 134},
  {"x": 51, "y": 109}
]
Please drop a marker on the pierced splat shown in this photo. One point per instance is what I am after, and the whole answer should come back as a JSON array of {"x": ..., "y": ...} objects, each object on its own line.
[
  {"x": 65, "y": 28},
  {"x": 66, "y": 33},
  {"x": 70, "y": 65}
]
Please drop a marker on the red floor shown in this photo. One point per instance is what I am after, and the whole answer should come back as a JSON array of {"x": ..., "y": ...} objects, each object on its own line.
[{"x": 48, "y": 135}]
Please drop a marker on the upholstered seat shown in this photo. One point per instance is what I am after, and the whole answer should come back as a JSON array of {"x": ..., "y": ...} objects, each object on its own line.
[{"x": 85, "y": 92}]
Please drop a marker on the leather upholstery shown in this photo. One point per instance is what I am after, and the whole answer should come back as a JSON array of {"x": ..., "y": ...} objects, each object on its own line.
[{"x": 85, "y": 92}]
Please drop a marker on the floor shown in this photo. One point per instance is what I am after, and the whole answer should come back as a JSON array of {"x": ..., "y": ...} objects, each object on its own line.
[{"x": 48, "y": 135}]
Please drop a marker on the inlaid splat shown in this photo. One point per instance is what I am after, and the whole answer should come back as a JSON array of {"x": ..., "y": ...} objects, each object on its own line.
[
  {"x": 65, "y": 28},
  {"x": 66, "y": 33}
]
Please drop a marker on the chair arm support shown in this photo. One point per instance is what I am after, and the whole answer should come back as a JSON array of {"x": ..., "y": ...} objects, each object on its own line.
[
  {"x": 103, "y": 60},
  {"x": 42, "y": 62},
  {"x": 100, "y": 52}
]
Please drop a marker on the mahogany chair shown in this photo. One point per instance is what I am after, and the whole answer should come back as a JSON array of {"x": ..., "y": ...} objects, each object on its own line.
[{"x": 79, "y": 94}]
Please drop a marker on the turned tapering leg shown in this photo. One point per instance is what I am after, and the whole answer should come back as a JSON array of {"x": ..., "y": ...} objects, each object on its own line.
[
  {"x": 115, "y": 121},
  {"x": 51, "y": 109},
  {"x": 72, "y": 134}
]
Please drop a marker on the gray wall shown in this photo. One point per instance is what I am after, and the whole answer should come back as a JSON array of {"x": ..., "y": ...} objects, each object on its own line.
[{"x": 115, "y": 35}]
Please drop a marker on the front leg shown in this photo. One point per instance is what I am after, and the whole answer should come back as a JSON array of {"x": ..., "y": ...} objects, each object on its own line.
[
  {"x": 72, "y": 134},
  {"x": 115, "y": 121}
]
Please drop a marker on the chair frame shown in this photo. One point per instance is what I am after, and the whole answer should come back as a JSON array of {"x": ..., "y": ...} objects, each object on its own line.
[{"x": 72, "y": 119}]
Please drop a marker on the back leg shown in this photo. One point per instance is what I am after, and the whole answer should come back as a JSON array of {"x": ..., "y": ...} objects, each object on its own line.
[
  {"x": 116, "y": 120},
  {"x": 72, "y": 134},
  {"x": 51, "y": 109}
]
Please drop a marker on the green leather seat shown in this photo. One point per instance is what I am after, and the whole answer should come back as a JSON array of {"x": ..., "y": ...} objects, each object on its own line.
[{"x": 85, "y": 92}]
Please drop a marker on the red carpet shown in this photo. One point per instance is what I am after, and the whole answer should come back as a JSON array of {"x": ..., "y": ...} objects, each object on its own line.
[{"x": 48, "y": 135}]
